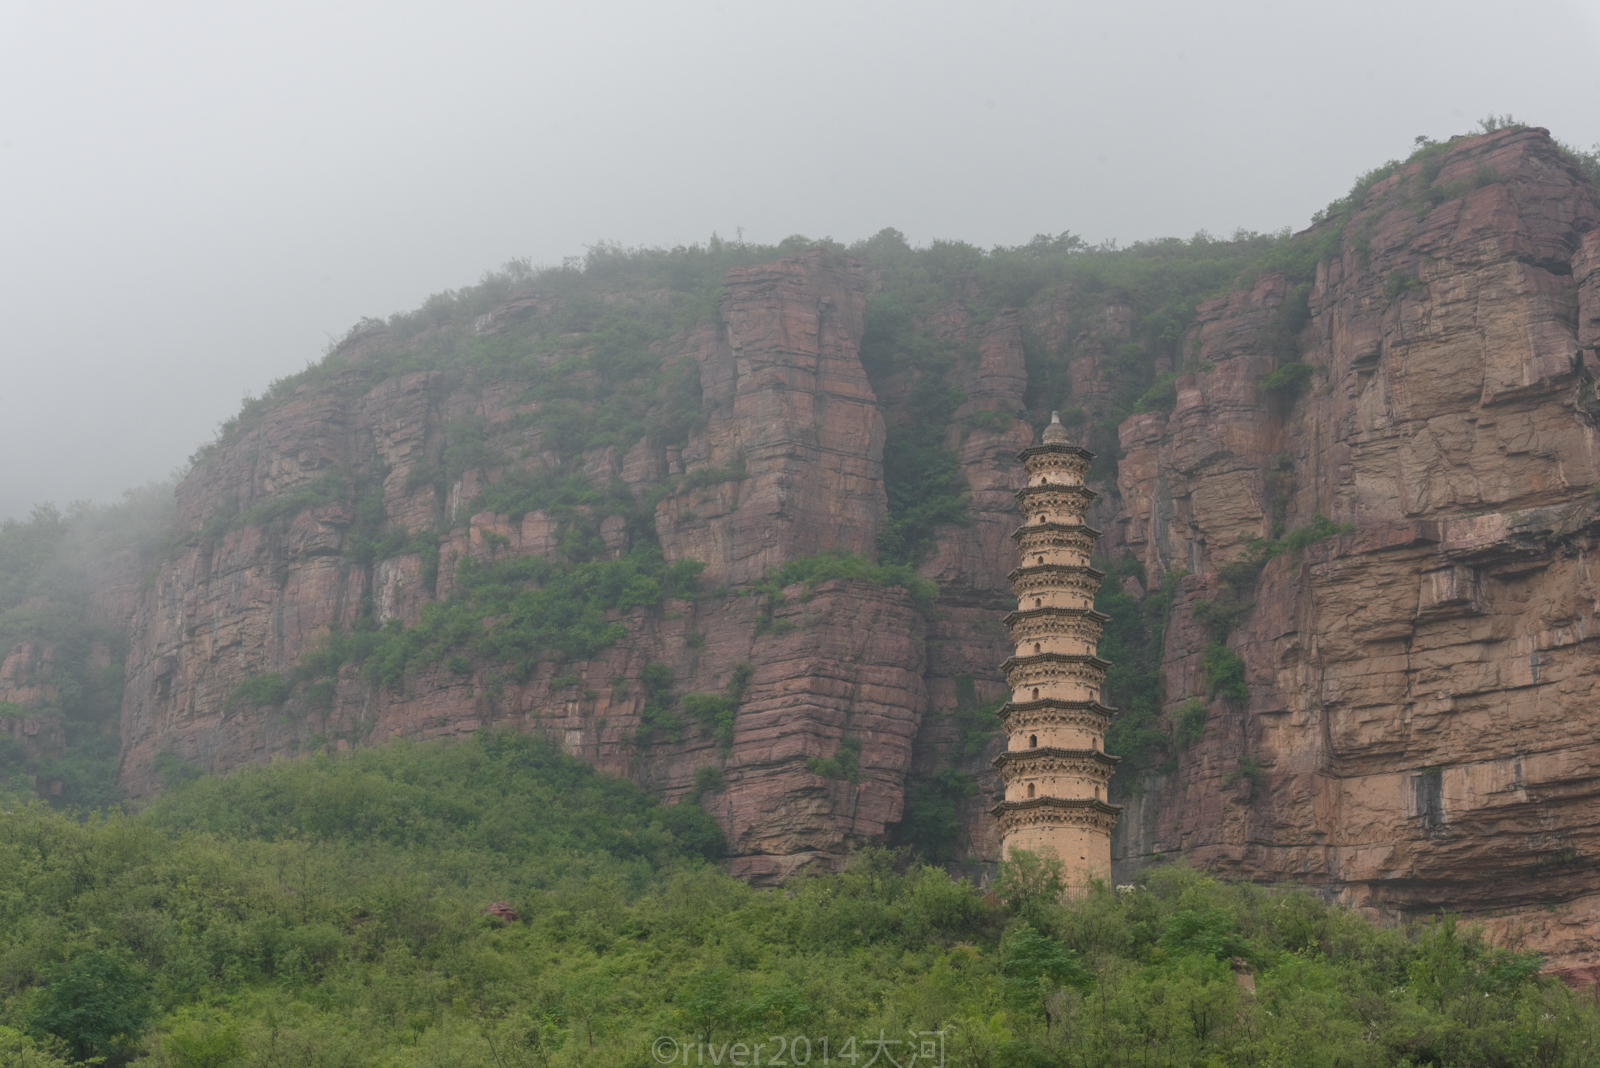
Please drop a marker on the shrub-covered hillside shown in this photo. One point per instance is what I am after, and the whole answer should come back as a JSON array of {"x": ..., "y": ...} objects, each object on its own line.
[{"x": 331, "y": 912}]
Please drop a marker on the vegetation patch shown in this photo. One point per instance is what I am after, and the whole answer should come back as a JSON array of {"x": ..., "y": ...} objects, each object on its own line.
[
  {"x": 845, "y": 763},
  {"x": 544, "y": 610},
  {"x": 836, "y": 564},
  {"x": 1224, "y": 672},
  {"x": 719, "y": 710},
  {"x": 1188, "y": 722},
  {"x": 1134, "y": 642}
]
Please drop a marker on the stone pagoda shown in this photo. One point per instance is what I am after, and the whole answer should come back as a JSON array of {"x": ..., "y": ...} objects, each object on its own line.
[{"x": 1055, "y": 767}]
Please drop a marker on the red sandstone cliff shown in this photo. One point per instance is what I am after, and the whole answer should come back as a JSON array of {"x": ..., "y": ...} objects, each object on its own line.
[{"x": 1418, "y": 733}]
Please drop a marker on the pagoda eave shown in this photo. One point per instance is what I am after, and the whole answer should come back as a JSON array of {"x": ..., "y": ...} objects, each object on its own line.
[
  {"x": 1053, "y": 658},
  {"x": 1020, "y": 614},
  {"x": 1071, "y": 528},
  {"x": 1012, "y": 756},
  {"x": 1056, "y": 487},
  {"x": 1044, "y": 569},
  {"x": 1056, "y": 704},
  {"x": 1078, "y": 804},
  {"x": 1060, "y": 448}
]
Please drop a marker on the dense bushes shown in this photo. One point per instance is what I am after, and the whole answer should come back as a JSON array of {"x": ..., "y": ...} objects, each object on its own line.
[{"x": 329, "y": 911}]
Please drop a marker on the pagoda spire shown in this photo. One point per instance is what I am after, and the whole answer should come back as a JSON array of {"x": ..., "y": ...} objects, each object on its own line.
[{"x": 1055, "y": 767}]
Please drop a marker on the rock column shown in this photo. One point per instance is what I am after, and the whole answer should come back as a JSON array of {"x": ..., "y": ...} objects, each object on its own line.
[{"x": 1055, "y": 767}]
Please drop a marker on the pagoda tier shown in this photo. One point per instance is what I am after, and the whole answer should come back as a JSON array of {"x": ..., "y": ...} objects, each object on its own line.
[
  {"x": 1055, "y": 503},
  {"x": 1055, "y": 537},
  {"x": 1055, "y": 768},
  {"x": 1056, "y": 585},
  {"x": 1018, "y": 718},
  {"x": 1053, "y": 771},
  {"x": 1055, "y": 461},
  {"x": 1077, "y": 830},
  {"x": 1058, "y": 630}
]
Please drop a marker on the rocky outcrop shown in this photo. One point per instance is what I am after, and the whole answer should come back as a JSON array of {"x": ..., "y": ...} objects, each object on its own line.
[{"x": 791, "y": 460}]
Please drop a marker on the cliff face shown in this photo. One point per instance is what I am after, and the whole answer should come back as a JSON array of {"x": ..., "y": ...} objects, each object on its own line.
[
  {"x": 1417, "y": 732},
  {"x": 793, "y": 444}
]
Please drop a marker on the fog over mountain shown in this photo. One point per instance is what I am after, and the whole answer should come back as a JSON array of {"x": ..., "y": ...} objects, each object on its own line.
[{"x": 197, "y": 199}]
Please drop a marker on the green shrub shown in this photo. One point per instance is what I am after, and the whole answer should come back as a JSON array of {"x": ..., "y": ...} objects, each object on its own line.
[
  {"x": 707, "y": 780},
  {"x": 834, "y": 563},
  {"x": 1134, "y": 641},
  {"x": 264, "y": 691},
  {"x": 97, "y": 1003},
  {"x": 713, "y": 476},
  {"x": 844, "y": 764},
  {"x": 931, "y": 820},
  {"x": 979, "y": 721},
  {"x": 1250, "y": 770},
  {"x": 1160, "y": 397},
  {"x": 1288, "y": 381},
  {"x": 657, "y": 713},
  {"x": 994, "y": 420},
  {"x": 1399, "y": 283},
  {"x": 1188, "y": 722},
  {"x": 1224, "y": 672}
]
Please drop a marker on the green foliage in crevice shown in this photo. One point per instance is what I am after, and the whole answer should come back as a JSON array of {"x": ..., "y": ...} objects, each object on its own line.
[
  {"x": 1223, "y": 668},
  {"x": 719, "y": 710},
  {"x": 1237, "y": 580},
  {"x": 845, "y": 763},
  {"x": 1188, "y": 722},
  {"x": 835, "y": 564},
  {"x": 931, "y": 816},
  {"x": 707, "y": 780},
  {"x": 1249, "y": 770},
  {"x": 921, "y": 476},
  {"x": 545, "y": 611},
  {"x": 1224, "y": 672},
  {"x": 1134, "y": 641},
  {"x": 978, "y": 720},
  {"x": 931, "y": 822}
]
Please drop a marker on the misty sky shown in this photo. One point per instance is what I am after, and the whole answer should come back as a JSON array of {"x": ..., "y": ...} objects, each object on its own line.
[{"x": 194, "y": 198}]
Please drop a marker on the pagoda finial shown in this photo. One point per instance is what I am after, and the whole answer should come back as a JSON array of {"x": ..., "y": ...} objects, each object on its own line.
[{"x": 1055, "y": 431}]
